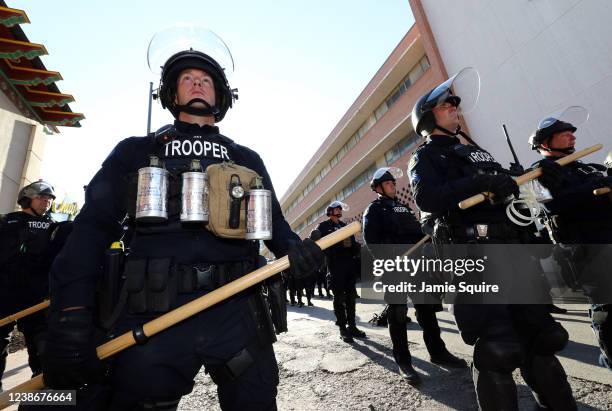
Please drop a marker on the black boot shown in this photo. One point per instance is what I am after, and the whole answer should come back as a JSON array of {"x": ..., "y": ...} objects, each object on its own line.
[
  {"x": 310, "y": 304},
  {"x": 447, "y": 359},
  {"x": 345, "y": 335},
  {"x": 409, "y": 374},
  {"x": 356, "y": 332}
]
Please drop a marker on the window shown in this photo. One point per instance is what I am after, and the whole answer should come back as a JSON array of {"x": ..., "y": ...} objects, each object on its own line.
[
  {"x": 392, "y": 155},
  {"x": 381, "y": 110}
]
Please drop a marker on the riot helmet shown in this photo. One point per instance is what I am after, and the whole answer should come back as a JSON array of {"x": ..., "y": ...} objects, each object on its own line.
[
  {"x": 38, "y": 188},
  {"x": 336, "y": 204},
  {"x": 466, "y": 83},
  {"x": 558, "y": 122},
  {"x": 188, "y": 46},
  {"x": 385, "y": 174}
]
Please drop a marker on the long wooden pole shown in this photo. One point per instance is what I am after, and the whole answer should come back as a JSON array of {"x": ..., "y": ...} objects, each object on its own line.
[
  {"x": 24, "y": 313},
  {"x": 532, "y": 175},
  {"x": 601, "y": 191},
  {"x": 193, "y": 307}
]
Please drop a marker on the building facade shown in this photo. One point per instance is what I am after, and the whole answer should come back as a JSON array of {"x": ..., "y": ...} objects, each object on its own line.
[
  {"x": 533, "y": 56},
  {"x": 31, "y": 107}
]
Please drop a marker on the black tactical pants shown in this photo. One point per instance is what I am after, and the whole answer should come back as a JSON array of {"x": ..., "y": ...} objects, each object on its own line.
[
  {"x": 426, "y": 317},
  {"x": 342, "y": 283},
  {"x": 33, "y": 328},
  {"x": 163, "y": 370}
]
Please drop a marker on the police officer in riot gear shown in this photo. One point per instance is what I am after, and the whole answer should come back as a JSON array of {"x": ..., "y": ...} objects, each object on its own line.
[
  {"x": 577, "y": 215},
  {"x": 443, "y": 172},
  {"x": 388, "y": 221},
  {"x": 320, "y": 280},
  {"x": 340, "y": 261},
  {"x": 24, "y": 268},
  {"x": 171, "y": 263}
]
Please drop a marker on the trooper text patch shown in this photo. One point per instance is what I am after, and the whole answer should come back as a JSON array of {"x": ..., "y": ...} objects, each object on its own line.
[
  {"x": 195, "y": 147},
  {"x": 38, "y": 224}
]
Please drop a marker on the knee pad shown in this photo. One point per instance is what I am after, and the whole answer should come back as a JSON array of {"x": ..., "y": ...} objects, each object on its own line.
[
  {"x": 550, "y": 340},
  {"x": 397, "y": 314},
  {"x": 497, "y": 356}
]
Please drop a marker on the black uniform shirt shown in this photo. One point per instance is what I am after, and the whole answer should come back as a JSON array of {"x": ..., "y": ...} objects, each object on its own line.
[
  {"x": 388, "y": 221},
  {"x": 342, "y": 249},
  {"x": 74, "y": 273},
  {"x": 24, "y": 239},
  {"x": 442, "y": 174},
  {"x": 574, "y": 200}
]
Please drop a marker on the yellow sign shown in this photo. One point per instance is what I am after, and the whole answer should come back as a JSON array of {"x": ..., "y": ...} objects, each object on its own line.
[{"x": 65, "y": 208}]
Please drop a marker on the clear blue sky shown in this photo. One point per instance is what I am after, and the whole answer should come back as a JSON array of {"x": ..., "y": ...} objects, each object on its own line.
[{"x": 299, "y": 66}]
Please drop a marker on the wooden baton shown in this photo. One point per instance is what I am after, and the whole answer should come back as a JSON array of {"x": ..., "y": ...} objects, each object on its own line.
[{"x": 24, "y": 313}]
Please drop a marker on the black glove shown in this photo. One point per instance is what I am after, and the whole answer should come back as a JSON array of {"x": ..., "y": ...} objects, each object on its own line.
[
  {"x": 70, "y": 359},
  {"x": 304, "y": 258},
  {"x": 501, "y": 185},
  {"x": 605, "y": 182},
  {"x": 552, "y": 174}
]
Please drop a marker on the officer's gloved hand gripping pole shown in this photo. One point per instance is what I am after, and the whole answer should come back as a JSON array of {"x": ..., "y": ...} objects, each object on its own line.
[
  {"x": 181, "y": 313},
  {"x": 24, "y": 313},
  {"x": 531, "y": 175}
]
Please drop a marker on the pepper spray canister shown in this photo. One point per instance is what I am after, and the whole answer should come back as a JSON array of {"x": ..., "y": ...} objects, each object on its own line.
[
  {"x": 152, "y": 197},
  {"x": 259, "y": 212},
  {"x": 194, "y": 195}
]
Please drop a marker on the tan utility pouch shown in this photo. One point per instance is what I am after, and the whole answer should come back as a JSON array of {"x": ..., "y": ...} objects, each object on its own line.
[{"x": 222, "y": 178}]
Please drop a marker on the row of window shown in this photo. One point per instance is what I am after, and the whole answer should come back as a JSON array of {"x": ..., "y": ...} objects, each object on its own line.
[
  {"x": 415, "y": 73},
  {"x": 402, "y": 147},
  {"x": 349, "y": 189}
]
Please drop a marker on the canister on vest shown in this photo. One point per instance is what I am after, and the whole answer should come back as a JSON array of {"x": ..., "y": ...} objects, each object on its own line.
[
  {"x": 259, "y": 212},
  {"x": 152, "y": 195},
  {"x": 194, "y": 194},
  {"x": 228, "y": 184}
]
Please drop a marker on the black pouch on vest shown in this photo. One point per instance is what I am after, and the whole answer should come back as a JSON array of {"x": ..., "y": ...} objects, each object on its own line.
[
  {"x": 161, "y": 285},
  {"x": 135, "y": 276}
]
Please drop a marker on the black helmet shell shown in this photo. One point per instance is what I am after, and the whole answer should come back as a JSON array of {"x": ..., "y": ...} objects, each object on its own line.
[
  {"x": 27, "y": 193},
  {"x": 194, "y": 59},
  {"x": 542, "y": 135}
]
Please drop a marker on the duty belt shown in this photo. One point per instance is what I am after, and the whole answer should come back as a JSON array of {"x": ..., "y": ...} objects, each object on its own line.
[{"x": 207, "y": 277}]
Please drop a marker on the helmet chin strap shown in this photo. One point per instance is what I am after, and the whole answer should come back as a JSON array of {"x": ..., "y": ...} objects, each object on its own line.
[
  {"x": 197, "y": 111},
  {"x": 458, "y": 131}
]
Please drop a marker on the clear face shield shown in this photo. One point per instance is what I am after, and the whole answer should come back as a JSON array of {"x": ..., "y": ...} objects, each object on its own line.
[
  {"x": 396, "y": 172},
  {"x": 465, "y": 84},
  {"x": 574, "y": 115},
  {"x": 339, "y": 204},
  {"x": 185, "y": 37}
]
